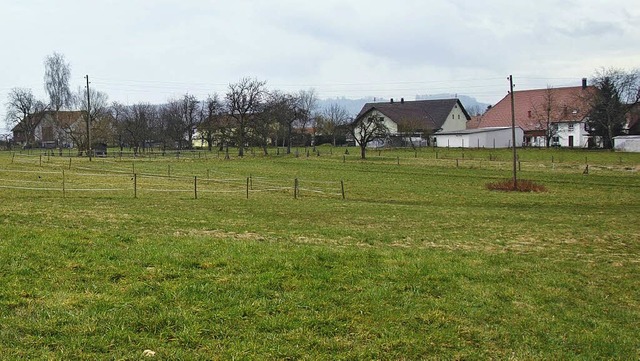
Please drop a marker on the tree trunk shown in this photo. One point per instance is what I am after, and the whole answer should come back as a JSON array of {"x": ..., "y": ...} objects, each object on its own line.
[{"x": 363, "y": 151}]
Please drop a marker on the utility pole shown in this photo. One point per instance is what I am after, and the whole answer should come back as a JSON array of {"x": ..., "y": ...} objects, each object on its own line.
[
  {"x": 89, "y": 150},
  {"x": 513, "y": 134}
]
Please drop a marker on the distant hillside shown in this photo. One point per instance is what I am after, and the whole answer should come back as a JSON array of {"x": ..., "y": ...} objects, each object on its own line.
[
  {"x": 472, "y": 106},
  {"x": 353, "y": 106}
]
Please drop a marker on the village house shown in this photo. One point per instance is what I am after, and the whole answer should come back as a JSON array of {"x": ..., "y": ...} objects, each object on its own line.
[
  {"x": 548, "y": 117},
  {"x": 415, "y": 122},
  {"x": 47, "y": 132}
]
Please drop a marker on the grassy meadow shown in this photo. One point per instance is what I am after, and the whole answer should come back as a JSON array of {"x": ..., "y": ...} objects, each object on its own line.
[{"x": 200, "y": 258}]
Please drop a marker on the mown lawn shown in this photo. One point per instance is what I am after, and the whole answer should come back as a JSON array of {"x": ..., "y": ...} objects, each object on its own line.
[{"x": 420, "y": 261}]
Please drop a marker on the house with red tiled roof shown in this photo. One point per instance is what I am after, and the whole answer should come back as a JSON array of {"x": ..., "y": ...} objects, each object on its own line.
[
  {"x": 415, "y": 122},
  {"x": 551, "y": 116}
]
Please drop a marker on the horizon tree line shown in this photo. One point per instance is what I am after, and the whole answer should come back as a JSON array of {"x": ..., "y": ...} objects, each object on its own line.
[{"x": 247, "y": 115}]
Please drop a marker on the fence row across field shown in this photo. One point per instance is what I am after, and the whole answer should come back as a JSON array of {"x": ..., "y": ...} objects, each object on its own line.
[{"x": 67, "y": 183}]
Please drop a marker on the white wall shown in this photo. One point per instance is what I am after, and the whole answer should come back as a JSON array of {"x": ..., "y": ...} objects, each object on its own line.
[
  {"x": 456, "y": 120},
  {"x": 627, "y": 143},
  {"x": 579, "y": 134},
  {"x": 488, "y": 139}
]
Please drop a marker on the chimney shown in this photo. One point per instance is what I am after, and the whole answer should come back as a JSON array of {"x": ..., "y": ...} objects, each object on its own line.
[
  {"x": 584, "y": 83},
  {"x": 401, "y": 100},
  {"x": 391, "y": 100}
]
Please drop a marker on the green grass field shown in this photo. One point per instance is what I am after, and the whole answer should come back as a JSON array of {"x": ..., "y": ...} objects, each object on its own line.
[{"x": 420, "y": 261}]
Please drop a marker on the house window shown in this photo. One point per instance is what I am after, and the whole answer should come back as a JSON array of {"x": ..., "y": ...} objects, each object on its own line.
[
  {"x": 571, "y": 127},
  {"x": 453, "y": 116},
  {"x": 458, "y": 116}
]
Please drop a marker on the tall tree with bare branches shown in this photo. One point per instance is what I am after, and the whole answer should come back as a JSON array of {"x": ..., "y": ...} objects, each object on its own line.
[
  {"x": 333, "y": 121},
  {"x": 243, "y": 101},
  {"x": 57, "y": 74},
  {"x": 367, "y": 129},
  {"x": 616, "y": 93},
  {"x": 24, "y": 112}
]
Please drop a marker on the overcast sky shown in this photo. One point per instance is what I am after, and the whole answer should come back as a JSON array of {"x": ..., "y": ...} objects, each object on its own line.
[{"x": 153, "y": 50}]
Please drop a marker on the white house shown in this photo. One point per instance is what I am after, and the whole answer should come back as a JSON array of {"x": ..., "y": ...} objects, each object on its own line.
[
  {"x": 494, "y": 137},
  {"x": 570, "y": 134},
  {"x": 415, "y": 122},
  {"x": 556, "y": 113}
]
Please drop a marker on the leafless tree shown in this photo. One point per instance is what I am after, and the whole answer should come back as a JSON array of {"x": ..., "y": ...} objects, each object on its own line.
[
  {"x": 190, "y": 114},
  {"x": 118, "y": 114},
  {"x": 616, "y": 93},
  {"x": 243, "y": 102},
  {"x": 287, "y": 110},
  {"x": 546, "y": 112},
  {"x": 333, "y": 121},
  {"x": 138, "y": 124},
  {"x": 24, "y": 112},
  {"x": 57, "y": 74},
  {"x": 214, "y": 125},
  {"x": 308, "y": 102},
  {"x": 171, "y": 127},
  {"x": 99, "y": 109},
  {"x": 367, "y": 129}
]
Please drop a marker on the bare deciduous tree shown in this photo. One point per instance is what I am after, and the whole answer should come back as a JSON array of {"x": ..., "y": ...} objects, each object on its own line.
[
  {"x": 308, "y": 102},
  {"x": 546, "y": 112},
  {"x": 190, "y": 114},
  {"x": 333, "y": 122},
  {"x": 367, "y": 129},
  {"x": 211, "y": 124},
  {"x": 138, "y": 124},
  {"x": 616, "y": 93},
  {"x": 243, "y": 101},
  {"x": 24, "y": 112},
  {"x": 57, "y": 74}
]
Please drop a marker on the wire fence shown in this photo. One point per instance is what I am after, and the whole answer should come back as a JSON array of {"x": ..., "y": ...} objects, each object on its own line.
[{"x": 119, "y": 182}]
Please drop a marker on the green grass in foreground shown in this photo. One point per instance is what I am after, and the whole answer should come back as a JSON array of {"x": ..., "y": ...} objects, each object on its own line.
[{"x": 419, "y": 262}]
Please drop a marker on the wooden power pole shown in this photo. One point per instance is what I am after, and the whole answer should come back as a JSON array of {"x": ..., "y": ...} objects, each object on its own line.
[
  {"x": 513, "y": 134},
  {"x": 89, "y": 150}
]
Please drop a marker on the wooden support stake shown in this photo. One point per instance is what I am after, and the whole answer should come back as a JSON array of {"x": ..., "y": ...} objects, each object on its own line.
[
  {"x": 135, "y": 185},
  {"x": 295, "y": 189},
  {"x": 342, "y": 187},
  {"x": 195, "y": 187},
  {"x": 457, "y": 163},
  {"x": 41, "y": 160},
  {"x": 64, "y": 195},
  {"x": 247, "y": 187},
  {"x": 69, "y": 162}
]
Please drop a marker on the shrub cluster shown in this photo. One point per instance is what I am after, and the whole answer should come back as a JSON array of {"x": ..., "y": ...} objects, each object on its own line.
[{"x": 522, "y": 185}]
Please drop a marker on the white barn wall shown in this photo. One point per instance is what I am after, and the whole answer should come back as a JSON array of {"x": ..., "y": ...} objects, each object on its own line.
[
  {"x": 479, "y": 138},
  {"x": 628, "y": 143}
]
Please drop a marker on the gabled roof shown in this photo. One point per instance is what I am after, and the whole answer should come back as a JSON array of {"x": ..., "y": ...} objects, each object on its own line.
[
  {"x": 568, "y": 105},
  {"x": 66, "y": 118},
  {"x": 429, "y": 114}
]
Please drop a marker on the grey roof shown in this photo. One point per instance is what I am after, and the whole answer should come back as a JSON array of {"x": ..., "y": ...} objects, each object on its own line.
[{"x": 429, "y": 114}]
